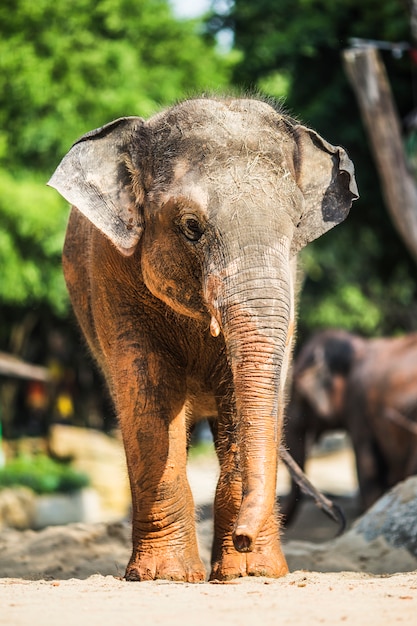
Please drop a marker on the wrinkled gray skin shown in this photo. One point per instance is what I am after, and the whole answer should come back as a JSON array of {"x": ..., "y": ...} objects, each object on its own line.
[
  {"x": 178, "y": 260},
  {"x": 366, "y": 387}
]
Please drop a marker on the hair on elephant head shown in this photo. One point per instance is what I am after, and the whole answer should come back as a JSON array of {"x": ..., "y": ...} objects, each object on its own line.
[
  {"x": 178, "y": 259},
  {"x": 321, "y": 370}
]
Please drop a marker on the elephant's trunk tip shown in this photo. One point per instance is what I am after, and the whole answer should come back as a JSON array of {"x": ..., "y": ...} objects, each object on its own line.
[
  {"x": 248, "y": 524},
  {"x": 243, "y": 540}
]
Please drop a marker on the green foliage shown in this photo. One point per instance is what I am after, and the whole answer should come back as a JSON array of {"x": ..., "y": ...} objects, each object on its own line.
[
  {"x": 360, "y": 275},
  {"x": 347, "y": 307},
  {"x": 67, "y": 67},
  {"x": 201, "y": 449},
  {"x": 275, "y": 84},
  {"x": 343, "y": 289},
  {"x": 41, "y": 474},
  {"x": 31, "y": 235}
]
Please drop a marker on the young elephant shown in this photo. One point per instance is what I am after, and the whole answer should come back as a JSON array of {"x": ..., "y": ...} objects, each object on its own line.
[
  {"x": 366, "y": 387},
  {"x": 178, "y": 262}
]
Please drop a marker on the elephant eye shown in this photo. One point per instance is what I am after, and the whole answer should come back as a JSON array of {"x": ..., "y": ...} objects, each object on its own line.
[{"x": 191, "y": 227}]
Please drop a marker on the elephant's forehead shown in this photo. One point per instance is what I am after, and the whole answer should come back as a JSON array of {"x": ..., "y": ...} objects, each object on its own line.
[
  {"x": 245, "y": 176},
  {"x": 244, "y": 123},
  {"x": 223, "y": 147},
  {"x": 233, "y": 129},
  {"x": 207, "y": 108}
]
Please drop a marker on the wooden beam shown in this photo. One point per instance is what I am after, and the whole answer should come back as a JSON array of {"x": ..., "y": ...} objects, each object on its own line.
[
  {"x": 17, "y": 368},
  {"x": 368, "y": 78}
]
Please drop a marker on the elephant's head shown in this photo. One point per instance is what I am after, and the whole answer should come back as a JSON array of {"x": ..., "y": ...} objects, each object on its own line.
[
  {"x": 213, "y": 198},
  {"x": 321, "y": 372}
]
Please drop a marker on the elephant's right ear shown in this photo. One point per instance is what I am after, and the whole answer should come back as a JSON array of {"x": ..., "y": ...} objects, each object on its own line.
[
  {"x": 96, "y": 177},
  {"x": 326, "y": 178}
]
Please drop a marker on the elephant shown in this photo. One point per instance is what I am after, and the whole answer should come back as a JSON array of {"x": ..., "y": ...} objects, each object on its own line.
[
  {"x": 178, "y": 258},
  {"x": 366, "y": 387}
]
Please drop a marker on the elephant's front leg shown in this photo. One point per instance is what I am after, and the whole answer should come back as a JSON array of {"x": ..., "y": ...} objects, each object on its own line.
[
  {"x": 150, "y": 403},
  {"x": 267, "y": 558}
]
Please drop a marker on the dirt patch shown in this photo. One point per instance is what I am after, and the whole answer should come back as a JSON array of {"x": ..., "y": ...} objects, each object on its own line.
[
  {"x": 301, "y": 598},
  {"x": 73, "y": 575}
]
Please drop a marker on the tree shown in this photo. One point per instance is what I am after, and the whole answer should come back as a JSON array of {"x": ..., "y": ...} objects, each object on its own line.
[
  {"x": 67, "y": 67},
  {"x": 368, "y": 77},
  {"x": 359, "y": 276}
]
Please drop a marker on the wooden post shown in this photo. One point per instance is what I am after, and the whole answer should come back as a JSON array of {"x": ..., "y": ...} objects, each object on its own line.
[
  {"x": 14, "y": 367},
  {"x": 368, "y": 78}
]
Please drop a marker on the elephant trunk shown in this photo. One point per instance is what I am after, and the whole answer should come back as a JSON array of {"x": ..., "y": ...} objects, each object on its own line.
[
  {"x": 256, "y": 316},
  {"x": 256, "y": 388}
]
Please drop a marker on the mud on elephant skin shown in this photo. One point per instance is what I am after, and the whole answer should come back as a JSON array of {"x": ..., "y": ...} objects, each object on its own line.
[
  {"x": 178, "y": 260},
  {"x": 366, "y": 387}
]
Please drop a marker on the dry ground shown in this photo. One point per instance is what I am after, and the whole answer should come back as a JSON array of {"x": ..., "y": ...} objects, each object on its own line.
[{"x": 72, "y": 575}]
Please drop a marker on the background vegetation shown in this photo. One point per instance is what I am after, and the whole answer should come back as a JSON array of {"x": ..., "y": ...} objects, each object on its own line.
[
  {"x": 359, "y": 276},
  {"x": 69, "y": 66},
  {"x": 42, "y": 474}
]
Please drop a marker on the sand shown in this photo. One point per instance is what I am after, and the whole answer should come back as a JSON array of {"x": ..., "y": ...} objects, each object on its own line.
[
  {"x": 73, "y": 575},
  {"x": 299, "y": 598}
]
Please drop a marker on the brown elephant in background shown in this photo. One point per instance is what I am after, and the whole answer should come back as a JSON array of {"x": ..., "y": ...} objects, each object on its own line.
[
  {"x": 179, "y": 263},
  {"x": 367, "y": 387}
]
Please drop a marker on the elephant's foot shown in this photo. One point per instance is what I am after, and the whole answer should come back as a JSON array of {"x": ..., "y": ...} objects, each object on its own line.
[
  {"x": 151, "y": 566},
  {"x": 268, "y": 561}
]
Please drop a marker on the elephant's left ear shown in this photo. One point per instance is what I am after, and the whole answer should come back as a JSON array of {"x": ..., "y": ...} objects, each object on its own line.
[
  {"x": 326, "y": 178},
  {"x": 96, "y": 177}
]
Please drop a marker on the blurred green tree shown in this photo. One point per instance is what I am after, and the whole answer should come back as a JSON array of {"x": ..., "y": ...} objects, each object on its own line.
[
  {"x": 360, "y": 275},
  {"x": 67, "y": 67}
]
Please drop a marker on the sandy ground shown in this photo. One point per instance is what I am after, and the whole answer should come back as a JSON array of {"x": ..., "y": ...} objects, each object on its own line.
[
  {"x": 73, "y": 575},
  {"x": 299, "y": 598}
]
